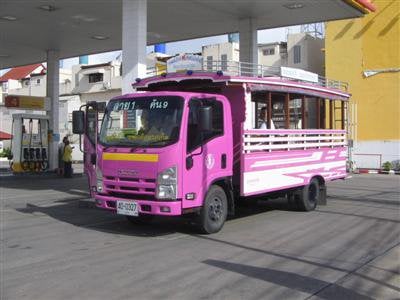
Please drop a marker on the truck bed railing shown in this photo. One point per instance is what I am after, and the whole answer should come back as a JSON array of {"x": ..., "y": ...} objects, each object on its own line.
[
  {"x": 258, "y": 140},
  {"x": 235, "y": 68}
]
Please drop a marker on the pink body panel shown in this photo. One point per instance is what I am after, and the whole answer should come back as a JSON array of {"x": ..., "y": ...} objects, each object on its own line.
[{"x": 269, "y": 171}]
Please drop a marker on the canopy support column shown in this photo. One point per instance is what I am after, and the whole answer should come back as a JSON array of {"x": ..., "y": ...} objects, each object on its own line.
[
  {"x": 52, "y": 92},
  {"x": 248, "y": 45},
  {"x": 134, "y": 42}
]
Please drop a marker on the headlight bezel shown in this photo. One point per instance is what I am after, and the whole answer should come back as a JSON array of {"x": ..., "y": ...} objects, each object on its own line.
[
  {"x": 167, "y": 184},
  {"x": 99, "y": 180}
]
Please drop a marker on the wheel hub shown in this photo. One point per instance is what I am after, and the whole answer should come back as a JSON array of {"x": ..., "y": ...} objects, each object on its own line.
[{"x": 215, "y": 209}]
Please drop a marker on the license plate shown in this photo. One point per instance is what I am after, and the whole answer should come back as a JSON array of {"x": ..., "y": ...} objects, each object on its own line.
[{"x": 128, "y": 208}]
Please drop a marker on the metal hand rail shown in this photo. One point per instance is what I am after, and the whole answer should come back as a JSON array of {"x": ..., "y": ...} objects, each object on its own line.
[{"x": 235, "y": 68}]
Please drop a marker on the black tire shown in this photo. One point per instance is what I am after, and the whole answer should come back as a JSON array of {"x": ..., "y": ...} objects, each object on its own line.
[
  {"x": 214, "y": 211},
  {"x": 308, "y": 196},
  {"x": 142, "y": 219}
]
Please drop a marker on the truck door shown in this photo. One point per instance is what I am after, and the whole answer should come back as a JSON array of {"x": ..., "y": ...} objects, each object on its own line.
[
  {"x": 207, "y": 156},
  {"x": 90, "y": 146}
]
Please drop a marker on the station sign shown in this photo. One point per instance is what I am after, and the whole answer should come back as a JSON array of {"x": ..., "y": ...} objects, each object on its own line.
[
  {"x": 184, "y": 62},
  {"x": 299, "y": 74},
  {"x": 26, "y": 102}
]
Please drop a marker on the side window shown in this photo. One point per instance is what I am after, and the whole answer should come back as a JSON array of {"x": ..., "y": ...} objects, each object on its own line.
[
  {"x": 91, "y": 125},
  {"x": 193, "y": 136},
  {"x": 194, "y": 139}
]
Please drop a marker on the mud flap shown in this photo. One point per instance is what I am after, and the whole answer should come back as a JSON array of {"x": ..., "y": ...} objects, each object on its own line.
[{"x": 322, "y": 195}]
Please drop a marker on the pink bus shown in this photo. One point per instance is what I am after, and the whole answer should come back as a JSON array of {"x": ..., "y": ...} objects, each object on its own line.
[{"x": 191, "y": 143}]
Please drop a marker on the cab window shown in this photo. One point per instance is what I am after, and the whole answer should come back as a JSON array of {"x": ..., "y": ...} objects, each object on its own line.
[{"x": 194, "y": 138}]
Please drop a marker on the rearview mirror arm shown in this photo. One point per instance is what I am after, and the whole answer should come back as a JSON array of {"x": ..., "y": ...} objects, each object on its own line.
[{"x": 80, "y": 136}]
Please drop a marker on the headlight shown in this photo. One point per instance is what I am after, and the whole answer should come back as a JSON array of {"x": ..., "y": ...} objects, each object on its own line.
[
  {"x": 167, "y": 184},
  {"x": 99, "y": 180}
]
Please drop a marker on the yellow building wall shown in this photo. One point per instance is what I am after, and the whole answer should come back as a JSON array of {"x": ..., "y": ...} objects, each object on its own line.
[{"x": 369, "y": 43}]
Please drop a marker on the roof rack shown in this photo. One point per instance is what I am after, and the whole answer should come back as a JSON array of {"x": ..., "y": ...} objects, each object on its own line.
[{"x": 235, "y": 68}]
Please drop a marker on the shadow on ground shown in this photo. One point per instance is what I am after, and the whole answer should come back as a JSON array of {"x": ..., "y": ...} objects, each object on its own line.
[{"x": 83, "y": 213}]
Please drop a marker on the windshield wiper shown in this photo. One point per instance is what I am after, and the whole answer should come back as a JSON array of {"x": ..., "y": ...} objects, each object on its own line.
[{"x": 155, "y": 142}]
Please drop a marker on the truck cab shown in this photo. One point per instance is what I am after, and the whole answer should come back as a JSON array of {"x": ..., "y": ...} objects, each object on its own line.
[{"x": 164, "y": 150}]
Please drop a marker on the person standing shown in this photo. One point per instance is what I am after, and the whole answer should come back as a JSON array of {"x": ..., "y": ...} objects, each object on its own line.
[
  {"x": 67, "y": 158},
  {"x": 60, "y": 170},
  {"x": 264, "y": 119}
]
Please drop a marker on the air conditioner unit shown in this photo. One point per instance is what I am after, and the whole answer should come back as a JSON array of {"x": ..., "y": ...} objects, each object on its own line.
[{"x": 106, "y": 85}]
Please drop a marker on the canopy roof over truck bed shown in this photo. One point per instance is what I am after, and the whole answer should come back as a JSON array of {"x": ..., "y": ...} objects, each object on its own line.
[{"x": 257, "y": 78}]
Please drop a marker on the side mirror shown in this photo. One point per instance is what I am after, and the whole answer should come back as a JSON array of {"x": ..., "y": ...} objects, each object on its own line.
[
  {"x": 205, "y": 118},
  {"x": 78, "y": 122}
]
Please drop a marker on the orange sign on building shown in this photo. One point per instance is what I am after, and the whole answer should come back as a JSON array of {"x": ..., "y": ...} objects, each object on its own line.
[{"x": 24, "y": 102}]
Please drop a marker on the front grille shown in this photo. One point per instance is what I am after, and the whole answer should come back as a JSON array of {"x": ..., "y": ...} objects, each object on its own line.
[
  {"x": 130, "y": 188},
  {"x": 132, "y": 196}
]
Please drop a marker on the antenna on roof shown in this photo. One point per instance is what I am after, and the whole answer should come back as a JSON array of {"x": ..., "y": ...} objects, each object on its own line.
[{"x": 316, "y": 30}]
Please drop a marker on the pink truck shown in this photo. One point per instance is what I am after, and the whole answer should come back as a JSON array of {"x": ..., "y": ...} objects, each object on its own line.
[{"x": 190, "y": 143}]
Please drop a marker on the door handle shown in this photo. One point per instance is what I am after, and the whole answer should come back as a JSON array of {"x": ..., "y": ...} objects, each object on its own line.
[
  {"x": 223, "y": 161},
  {"x": 189, "y": 162}
]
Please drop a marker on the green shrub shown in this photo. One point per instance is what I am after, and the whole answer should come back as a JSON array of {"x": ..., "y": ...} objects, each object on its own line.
[
  {"x": 6, "y": 152},
  {"x": 387, "y": 166}
]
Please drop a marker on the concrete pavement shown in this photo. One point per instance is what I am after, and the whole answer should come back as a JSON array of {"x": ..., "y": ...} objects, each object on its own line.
[{"x": 56, "y": 246}]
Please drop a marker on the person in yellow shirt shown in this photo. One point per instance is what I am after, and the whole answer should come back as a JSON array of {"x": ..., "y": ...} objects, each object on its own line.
[{"x": 67, "y": 159}]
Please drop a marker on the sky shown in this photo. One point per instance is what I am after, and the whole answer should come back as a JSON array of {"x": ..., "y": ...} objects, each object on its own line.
[{"x": 189, "y": 46}]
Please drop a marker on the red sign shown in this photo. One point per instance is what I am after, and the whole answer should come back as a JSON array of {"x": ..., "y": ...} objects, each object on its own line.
[{"x": 11, "y": 101}]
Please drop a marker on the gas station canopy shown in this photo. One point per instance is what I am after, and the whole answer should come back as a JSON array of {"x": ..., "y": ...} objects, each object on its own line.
[{"x": 30, "y": 28}]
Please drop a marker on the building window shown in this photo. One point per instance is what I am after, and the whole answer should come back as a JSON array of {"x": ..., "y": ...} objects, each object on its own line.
[
  {"x": 224, "y": 62},
  {"x": 296, "y": 54},
  {"x": 209, "y": 63},
  {"x": 95, "y": 77},
  {"x": 268, "y": 51},
  {"x": 4, "y": 87},
  {"x": 37, "y": 81}
]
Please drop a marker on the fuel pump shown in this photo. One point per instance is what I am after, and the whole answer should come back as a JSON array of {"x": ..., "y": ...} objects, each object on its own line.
[{"x": 30, "y": 143}]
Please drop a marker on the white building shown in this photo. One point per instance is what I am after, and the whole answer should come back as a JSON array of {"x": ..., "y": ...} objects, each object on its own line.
[
  {"x": 272, "y": 54},
  {"x": 223, "y": 52},
  {"x": 305, "y": 51},
  {"x": 99, "y": 82},
  {"x": 302, "y": 51}
]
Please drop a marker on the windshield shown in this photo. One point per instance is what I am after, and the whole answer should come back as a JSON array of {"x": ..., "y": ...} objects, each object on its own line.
[{"x": 142, "y": 121}]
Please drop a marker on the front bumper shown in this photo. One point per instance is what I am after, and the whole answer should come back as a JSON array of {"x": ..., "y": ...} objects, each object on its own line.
[{"x": 145, "y": 206}]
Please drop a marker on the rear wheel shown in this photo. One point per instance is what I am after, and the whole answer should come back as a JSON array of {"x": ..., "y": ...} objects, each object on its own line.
[
  {"x": 309, "y": 195},
  {"x": 214, "y": 211},
  {"x": 141, "y": 219}
]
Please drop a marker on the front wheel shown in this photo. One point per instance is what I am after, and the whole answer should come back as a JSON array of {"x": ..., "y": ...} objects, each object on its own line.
[{"x": 214, "y": 211}]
